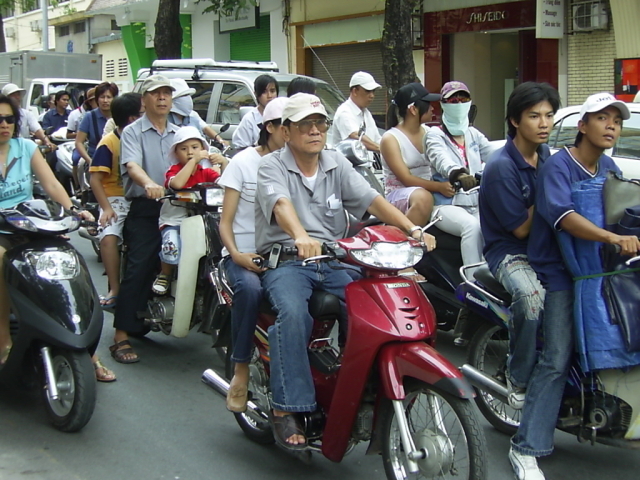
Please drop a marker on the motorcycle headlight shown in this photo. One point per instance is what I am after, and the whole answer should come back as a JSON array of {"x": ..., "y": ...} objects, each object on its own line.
[
  {"x": 214, "y": 197},
  {"x": 55, "y": 265},
  {"x": 389, "y": 256},
  {"x": 22, "y": 222},
  {"x": 360, "y": 151}
]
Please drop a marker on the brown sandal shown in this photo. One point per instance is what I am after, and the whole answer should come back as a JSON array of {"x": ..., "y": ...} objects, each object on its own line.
[
  {"x": 118, "y": 353},
  {"x": 286, "y": 426},
  {"x": 103, "y": 374}
]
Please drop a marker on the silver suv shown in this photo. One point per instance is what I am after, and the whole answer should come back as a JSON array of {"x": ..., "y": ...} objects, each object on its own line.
[{"x": 222, "y": 88}]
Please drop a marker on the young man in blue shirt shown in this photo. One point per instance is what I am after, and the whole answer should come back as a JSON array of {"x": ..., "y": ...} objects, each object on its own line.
[
  {"x": 506, "y": 211},
  {"x": 599, "y": 128}
]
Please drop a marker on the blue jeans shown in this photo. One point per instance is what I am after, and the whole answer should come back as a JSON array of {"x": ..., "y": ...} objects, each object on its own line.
[
  {"x": 518, "y": 278},
  {"x": 547, "y": 383},
  {"x": 289, "y": 288},
  {"x": 247, "y": 295}
]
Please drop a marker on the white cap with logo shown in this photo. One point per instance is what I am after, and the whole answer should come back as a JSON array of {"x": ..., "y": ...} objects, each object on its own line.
[
  {"x": 10, "y": 88},
  {"x": 364, "y": 80},
  {"x": 600, "y": 101},
  {"x": 302, "y": 105}
]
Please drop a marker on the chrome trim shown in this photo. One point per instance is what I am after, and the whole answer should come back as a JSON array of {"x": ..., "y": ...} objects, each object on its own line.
[{"x": 475, "y": 286}]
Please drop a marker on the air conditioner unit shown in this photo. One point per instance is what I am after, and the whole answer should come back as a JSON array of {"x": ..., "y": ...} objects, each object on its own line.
[
  {"x": 10, "y": 32},
  {"x": 589, "y": 16},
  {"x": 35, "y": 26}
]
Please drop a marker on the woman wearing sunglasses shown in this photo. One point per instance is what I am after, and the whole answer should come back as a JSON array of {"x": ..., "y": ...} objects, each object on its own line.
[
  {"x": 407, "y": 171},
  {"x": 19, "y": 159},
  {"x": 457, "y": 152}
]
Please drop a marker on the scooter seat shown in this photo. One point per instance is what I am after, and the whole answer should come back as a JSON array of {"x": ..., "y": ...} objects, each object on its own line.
[
  {"x": 323, "y": 306},
  {"x": 484, "y": 276}
]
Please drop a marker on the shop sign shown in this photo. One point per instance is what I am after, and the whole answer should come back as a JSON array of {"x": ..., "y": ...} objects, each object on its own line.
[
  {"x": 242, "y": 19},
  {"x": 550, "y": 19},
  {"x": 500, "y": 16}
]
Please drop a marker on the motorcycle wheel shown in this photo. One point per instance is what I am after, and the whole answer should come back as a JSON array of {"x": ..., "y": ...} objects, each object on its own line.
[
  {"x": 488, "y": 352},
  {"x": 444, "y": 426},
  {"x": 76, "y": 381},
  {"x": 259, "y": 432}
]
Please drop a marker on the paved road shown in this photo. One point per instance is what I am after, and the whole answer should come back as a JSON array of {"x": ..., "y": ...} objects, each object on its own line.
[{"x": 159, "y": 422}]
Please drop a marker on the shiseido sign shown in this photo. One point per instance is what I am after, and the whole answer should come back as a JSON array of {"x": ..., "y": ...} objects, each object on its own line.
[{"x": 479, "y": 17}]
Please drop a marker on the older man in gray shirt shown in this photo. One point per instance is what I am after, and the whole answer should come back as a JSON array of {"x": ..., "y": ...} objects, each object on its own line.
[
  {"x": 301, "y": 192},
  {"x": 144, "y": 160}
]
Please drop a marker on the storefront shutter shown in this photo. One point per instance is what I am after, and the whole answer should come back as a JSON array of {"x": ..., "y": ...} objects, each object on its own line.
[
  {"x": 342, "y": 61},
  {"x": 252, "y": 45}
]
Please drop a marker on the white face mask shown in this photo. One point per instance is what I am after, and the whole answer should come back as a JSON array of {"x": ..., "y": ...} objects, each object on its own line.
[{"x": 455, "y": 117}]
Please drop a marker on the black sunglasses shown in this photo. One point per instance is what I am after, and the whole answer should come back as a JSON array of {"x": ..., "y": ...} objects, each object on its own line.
[{"x": 10, "y": 119}]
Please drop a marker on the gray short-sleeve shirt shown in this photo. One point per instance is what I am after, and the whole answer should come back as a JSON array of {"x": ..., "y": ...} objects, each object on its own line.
[
  {"x": 141, "y": 143},
  {"x": 320, "y": 210}
]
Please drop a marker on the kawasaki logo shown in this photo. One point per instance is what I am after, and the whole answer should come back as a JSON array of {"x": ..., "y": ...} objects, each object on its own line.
[{"x": 477, "y": 301}]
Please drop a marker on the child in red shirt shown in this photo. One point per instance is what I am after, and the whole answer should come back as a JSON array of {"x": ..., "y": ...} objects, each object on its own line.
[{"x": 188, "y": 149}]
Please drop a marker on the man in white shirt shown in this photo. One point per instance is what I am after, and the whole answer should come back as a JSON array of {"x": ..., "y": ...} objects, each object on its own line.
[
  {"x": 28, "y": 122},
  {"x": 352, "y": 114}
]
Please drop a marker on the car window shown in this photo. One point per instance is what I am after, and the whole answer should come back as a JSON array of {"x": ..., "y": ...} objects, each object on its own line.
[
  {"x": 567, "y": 129},
  {"x": 232, "y": 97},
  {"x": 36, "y": 92},
  {"x": 628, "y": 145},
  {"x": 202, "y": 97}
]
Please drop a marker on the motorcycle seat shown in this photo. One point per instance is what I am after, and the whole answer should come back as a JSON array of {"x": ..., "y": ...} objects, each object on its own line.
[
  {"x": 484, "y": 276},
  {"x": 323, "y": 306}
]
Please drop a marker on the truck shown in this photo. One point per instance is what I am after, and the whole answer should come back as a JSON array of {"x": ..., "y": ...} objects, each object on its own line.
[{"x": 44, "y": 73}]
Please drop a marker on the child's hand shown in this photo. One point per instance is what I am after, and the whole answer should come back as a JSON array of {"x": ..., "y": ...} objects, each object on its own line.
[
  {"x": 217, "y": 159},
  {"x": 201, "y": 155},
  {"x": 108, "y": 217}
]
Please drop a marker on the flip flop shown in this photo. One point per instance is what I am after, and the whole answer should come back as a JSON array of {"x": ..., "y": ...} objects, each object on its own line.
[
  {"x": 104, "y": 301},
  {"x": 284, "y": 427},
  {"x": 118, "y": 353},
  {"x": 4, "y": 355},
  {"x": 106, "y": 375}
]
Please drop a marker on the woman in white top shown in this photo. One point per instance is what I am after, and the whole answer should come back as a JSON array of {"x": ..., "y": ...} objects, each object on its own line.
[
  {"x": 246, "y": 135},
  {"x": 407, "y": 171},
  {"x": 237, "y": 229}
]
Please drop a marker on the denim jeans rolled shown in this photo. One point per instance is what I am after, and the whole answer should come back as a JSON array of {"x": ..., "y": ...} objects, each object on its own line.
[
  {"x": 527, "y": 306},
  {"x": 547, "y": 382},
  {"x": 289, "y": 288},
  {"x": 247, "y": 295}
]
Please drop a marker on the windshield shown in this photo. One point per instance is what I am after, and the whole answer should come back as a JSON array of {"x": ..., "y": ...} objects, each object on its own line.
[
  {"x": 330, "y": 96},
  {"x": 75, "y": 90}
]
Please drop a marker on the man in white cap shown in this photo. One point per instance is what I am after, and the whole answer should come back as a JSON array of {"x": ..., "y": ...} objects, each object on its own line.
[
  {"x": 144, "y": 159},
  {"x": 28, "y": 122},
  {"x": 599, "y": 127},
  {"x": 301, "y": 193},
  {"x": 354, "y": 113}
]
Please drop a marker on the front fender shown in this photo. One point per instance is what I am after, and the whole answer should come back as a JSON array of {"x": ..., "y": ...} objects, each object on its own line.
[{"x": 420, "y": 361}]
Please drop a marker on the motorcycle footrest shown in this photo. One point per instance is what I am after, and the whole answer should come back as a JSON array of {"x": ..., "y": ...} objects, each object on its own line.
[
  {"x": 569, "y": 422},
  {"x": 325, "y": 360}
]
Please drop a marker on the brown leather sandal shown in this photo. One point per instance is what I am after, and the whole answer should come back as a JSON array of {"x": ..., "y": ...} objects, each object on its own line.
[
  {"x": 286, "y": 426},
  {"x": 118, "y": 353}
]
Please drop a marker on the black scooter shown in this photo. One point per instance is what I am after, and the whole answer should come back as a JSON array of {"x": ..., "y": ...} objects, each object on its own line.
[{"x": 56, "y": 318}]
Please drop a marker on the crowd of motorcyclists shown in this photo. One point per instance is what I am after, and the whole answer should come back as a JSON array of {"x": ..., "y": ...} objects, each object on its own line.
[{"x": 287, "y": 189}]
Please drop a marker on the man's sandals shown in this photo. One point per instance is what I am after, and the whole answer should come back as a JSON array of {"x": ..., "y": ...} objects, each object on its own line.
[
  {"x": 286, "y": 426},
  {"x": 120, "y": 350}
]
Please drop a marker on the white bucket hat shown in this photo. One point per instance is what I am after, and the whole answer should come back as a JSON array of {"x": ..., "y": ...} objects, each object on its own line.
[
  {"x": 181, "y": 88},
  {"x": 182, "y": 135}
]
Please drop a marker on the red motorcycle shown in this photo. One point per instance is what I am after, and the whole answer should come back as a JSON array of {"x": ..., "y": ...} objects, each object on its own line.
[{"x": 390, "y": 387}]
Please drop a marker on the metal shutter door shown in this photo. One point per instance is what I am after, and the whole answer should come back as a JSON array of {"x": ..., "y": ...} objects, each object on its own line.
[
  {"x": 252, "y": 45},
  {"x": 342, "y": 61}
]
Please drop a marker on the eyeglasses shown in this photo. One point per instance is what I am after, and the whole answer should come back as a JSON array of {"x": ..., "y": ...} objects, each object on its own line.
[
  {"x": 456, "y": 100},
  {"x": 10, "y": 119},
  {"x": 304, "y": 126}
]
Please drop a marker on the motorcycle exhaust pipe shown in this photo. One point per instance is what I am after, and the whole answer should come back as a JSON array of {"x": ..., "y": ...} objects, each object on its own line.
[
  {"x": 484, "y": 382},
  {"x": 219, "y": 385},
  {"x": 83, "y": 232}
]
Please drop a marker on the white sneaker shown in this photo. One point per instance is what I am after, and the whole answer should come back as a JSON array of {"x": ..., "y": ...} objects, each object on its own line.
[
  {"x": 515, "y": 396},
  {"x": 525, "y": 467}
]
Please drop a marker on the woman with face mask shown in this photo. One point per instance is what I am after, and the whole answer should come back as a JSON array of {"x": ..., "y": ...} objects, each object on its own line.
[{"x": 457, "y": 152}]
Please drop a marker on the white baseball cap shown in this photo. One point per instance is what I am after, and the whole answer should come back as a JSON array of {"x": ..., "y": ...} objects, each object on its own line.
[
  {"x": 10, "y": 88},
  {"x": 364, "y": 80},
  {"x": 302, "y": 105},
  {"x": 600, "y": 101},
  {"x": 181, "y": 88},
  {"x": 182, "y": 135},
  {"x": 274, "y": 109}
]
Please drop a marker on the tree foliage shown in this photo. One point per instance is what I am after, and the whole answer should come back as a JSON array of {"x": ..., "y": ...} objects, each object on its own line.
[
  {"x": 227, "y": 7},
  {"x": 397, "y": 45}
]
